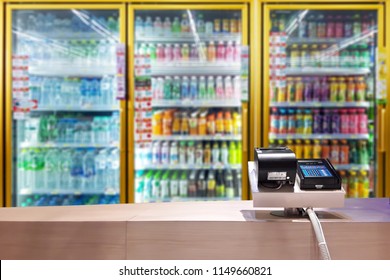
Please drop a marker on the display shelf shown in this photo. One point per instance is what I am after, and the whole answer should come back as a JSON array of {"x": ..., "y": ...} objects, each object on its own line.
[
  {"x": 223, "y": 103},
  {"x": 188, "y": 38},
  {"x": 318, "y": 136},
  {"x": 195, "y": 68},
  {"x": 196, "y": 137},
  {"x": 67, "y": 145},
  {"x": 195, "y": 198},
  {"x": 318, "y": 104},
  {"x": 93, "y": 108},
  {"x": 27, "y": 191},
  {"x": 335, "y": 71},
  {"x": 329, "y": 41},
  {"x": 72, "y": 70},
  {"x": 69, "y": 35},
  {"x": 352, "y": 166},
  {"x": 216, "y": 166}
]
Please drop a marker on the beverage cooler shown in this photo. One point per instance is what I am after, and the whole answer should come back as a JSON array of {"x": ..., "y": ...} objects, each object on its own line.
[
  {"x": 321, "y": 88},
  {"x": 64, "y": 123},
  {"x": 189, "y": 105}
]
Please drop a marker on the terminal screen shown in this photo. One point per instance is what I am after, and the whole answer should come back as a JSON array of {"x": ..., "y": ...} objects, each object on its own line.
[{"x": 315, "y": 171}]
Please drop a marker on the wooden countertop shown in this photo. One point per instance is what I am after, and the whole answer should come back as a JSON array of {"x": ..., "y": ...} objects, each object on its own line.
[{"x": 191, "y": 230}]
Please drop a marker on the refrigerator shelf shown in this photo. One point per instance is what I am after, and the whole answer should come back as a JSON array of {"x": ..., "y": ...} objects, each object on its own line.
[
  {"x": 296, "y": 40},
  {"x": 70, "y": 35},
  {"x": 197, "y": 198},
  {"x": 195, "y": 68},
  {"x": 196, "y": 137},
  {"x": 27, "y": 191},
  {"x": 188, "y": 38},
  {"x": 294, "y": 136},
  {"x": 189, "y": 166},
  {"x": 67, "y": 145},
  {"x": 71, "y": 70},
  {"x": 327, "y": 104},
  {"x": 352, "y": 166},
  {"x": 335, "y": 71},
  {"x": 196, "y": 103},
  {"x": 78, "y": 109}
]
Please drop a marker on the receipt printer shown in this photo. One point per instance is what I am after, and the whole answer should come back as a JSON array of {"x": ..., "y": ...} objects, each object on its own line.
[{"x": 275, "y": 167}]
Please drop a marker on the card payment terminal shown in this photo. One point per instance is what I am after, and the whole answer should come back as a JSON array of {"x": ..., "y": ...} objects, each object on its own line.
[{"x": 317, "y": 174}]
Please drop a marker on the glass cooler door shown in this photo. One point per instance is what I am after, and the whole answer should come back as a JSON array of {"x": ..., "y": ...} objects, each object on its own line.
[
  {"x": 320, "y": 92},
  {"x": 188, "y": 103},
  {"x": 65, "y": 120}
]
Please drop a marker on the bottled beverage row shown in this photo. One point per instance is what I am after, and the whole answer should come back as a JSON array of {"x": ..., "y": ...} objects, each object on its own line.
[
  {"x": 59, "y": 92},
  {"x": 81, "y": 52},
  {"x": 82, "y": 21},
  {"x": 315, "y": 89},
  {"x": 337, "y": 151},
  {"x": 165, "y": 185},
  {"x": 329, "y": 121},
  {"x": 176, "y": 26},
  {"x": 77, "y": 130},
  {"x": 74, "y": 170},
  {"x": 356, "y": 183},
  {"x": 195, "y": 88},
  {"x": 55, "y": 200},
  {"x": 325, "y": 25},
  {"x": 325, "y": 56},
  {"x": 197, "y": 122},
  {"x": 212, "y": 52},
  {"x": 189, "y": 153}
]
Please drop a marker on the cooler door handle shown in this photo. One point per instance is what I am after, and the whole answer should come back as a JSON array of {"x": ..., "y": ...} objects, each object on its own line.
[
  {"x": 245, "y": 128},
  {"x": 382, "y": 132}
]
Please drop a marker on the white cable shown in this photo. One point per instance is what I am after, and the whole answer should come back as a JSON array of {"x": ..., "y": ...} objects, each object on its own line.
[{"x": 315, "y": 222}]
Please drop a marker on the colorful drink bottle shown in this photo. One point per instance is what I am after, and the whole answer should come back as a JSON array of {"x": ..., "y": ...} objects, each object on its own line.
[
  {"x": 282, "y": 121},
  {"x": 307, "y": 122},
  {"x": 274, "y": 121},
  {"x": 219, "y": 88},
  {"x": 317, "y": 121},
  {"x": 353, "y": 121},
  {"x": 176, "y": 53},
  {"x": 211, "y": 52},
  {"x": 291, "y": 121},
  {"x": 298, "y": 90},
  {"x": 316, "y": 89},
  {"x": 339, "y": 27},
  {"x": 229, "y": 56},
  {"x": 324, "y": 90},
  {"x": 237, "y": 52},
  {"x": 336, "y": 118},
  {"x": 160, "y": 53},
  {"x": 168, "y": 53},
  {"x": 210, "y": 88},
  {"x": 229, "y": 91},
  {"x": 363, "y": 121},
  {"x": 351, "y": 88},
  {"x": 185, "y": 52},
  {"x": 326, "y": 122},
  {"x": 193, "y": 88},
  {"x": 221, "y": 51},
  {"x": 202, "y": 88},
  {"x": 308, "y": 90},
  {"x": 335, "y": 152},
  {"x": 194, "y": 53}
]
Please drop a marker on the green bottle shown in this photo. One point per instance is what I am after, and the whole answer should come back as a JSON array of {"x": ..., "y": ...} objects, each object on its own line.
[
  {"x": 183, "y": 184},
  {"x": 147, "y": 196},
  {"x": 239, "y": 153},
  {"x": 165, "y": 186},
  {"x": 174, "y": 184},
  {"x": 220, "y": 188},
  {"x": 232, "y": 153},
  {"x": 139, "y": 186},
  {"x": 156, "y": 186}
]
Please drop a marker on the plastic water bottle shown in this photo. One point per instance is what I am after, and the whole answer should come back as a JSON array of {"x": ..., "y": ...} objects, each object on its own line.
[
  {"x": 85, "y": 92},
  {"x": 148, "y": 26},
  {"x": 89, "y": 170},
  {"x": 36, "y": 166},
  {"x": 139, "y": 26},
  {"x": 106, "y": 90},
  {"x": 77, "y": 170},
  {"x": 102, "y": 52},
  {"x": 158, "y": 26},
  {"x": 114, "y": 127},
  {"x": 51, "y": 170},
  {"x": 101, "y": 170},
  {"x": 95, "y": 91},
  {"x": 46, "y": 91},
  {"x": 65, "y": 167},
  {"x": 22, "y": 170},
  {"x": 113, "y": 169}
]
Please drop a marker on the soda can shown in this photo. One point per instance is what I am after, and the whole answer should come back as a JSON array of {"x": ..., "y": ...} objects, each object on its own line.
[
  {"x": 233, "y": 25},
  {"x": 299, "y": 121},
  {"x": 225, "y": 25},
  {"x": 307, "y": 122},
  {"x": 217, "y": 25}
]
